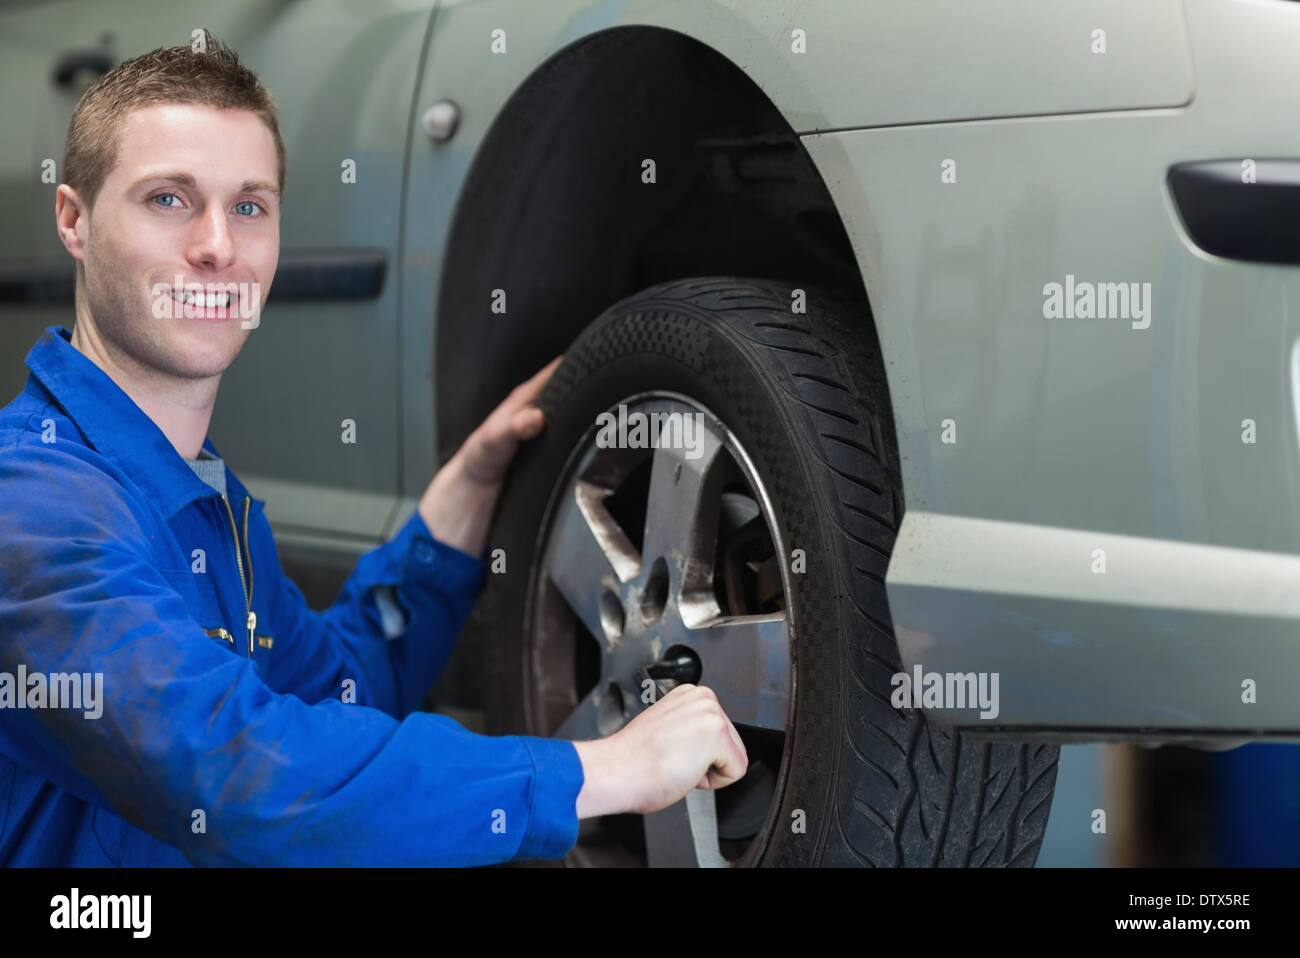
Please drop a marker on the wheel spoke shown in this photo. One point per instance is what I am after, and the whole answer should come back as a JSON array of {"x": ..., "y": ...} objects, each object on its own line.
[
  {"x": 685, "y": 834},
  {"x": 747, "y": 664},
  {"x": 590, "y": 554},
  {"x": 681, "y": 516}
]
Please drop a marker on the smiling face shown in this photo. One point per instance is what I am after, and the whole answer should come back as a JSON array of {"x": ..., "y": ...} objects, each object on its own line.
[{"x": 189, "y": 203}]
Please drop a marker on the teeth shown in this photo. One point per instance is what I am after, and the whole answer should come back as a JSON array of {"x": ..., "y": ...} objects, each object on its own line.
[{"x": 208, "y": 301}]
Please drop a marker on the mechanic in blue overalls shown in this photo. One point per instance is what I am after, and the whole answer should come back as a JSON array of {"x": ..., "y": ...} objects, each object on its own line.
[{"x": 166, "y": 695}]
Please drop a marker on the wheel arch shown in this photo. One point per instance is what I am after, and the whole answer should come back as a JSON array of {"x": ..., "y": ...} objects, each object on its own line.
[{"x": 554, "y": 213}]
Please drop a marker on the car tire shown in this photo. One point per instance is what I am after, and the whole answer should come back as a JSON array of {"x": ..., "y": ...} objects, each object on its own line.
[{"x": 793, "y": 380}]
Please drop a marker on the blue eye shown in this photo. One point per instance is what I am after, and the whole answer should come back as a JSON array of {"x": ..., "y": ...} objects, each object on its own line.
[
  {"x": 165, "y": 205},
  {"x": 248, "y": 203}
]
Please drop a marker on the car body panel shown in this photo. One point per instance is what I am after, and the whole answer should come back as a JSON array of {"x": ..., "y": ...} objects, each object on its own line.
[{"x": 1078, "y": 435}]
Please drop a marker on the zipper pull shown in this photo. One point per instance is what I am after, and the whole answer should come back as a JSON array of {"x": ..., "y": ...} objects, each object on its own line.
[{"x": 252, "y": 624}]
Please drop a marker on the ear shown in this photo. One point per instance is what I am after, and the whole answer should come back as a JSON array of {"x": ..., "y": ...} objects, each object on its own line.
[{"x": 72, "y": 220}]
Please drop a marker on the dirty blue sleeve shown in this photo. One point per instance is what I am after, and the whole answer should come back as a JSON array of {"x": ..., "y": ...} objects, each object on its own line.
[
  {"x": 389, "y": 632},
  {"x": 184, "y": 725}
]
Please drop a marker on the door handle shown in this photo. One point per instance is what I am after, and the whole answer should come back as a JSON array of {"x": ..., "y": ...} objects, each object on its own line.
[{"x": 1241, "y": 212}]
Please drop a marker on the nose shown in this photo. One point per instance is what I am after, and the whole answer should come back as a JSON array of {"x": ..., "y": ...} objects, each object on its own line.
[{"x": 210, "y": 241}]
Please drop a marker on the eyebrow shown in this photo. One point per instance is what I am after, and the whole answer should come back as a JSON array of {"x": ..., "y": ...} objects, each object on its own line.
[{"x": 183, "y": 178}]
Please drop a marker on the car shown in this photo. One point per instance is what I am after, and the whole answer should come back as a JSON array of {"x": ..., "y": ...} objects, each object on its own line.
[{"x": 930, "y": 389}]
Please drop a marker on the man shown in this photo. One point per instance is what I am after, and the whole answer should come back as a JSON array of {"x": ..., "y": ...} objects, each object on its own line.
[{"x": 165, "y": 694}]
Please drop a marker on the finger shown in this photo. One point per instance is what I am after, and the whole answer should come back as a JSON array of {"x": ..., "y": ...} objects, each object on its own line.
[
  {"x": 724, "y": 774},
  {"x": 742, "y": 757},
  {"x": 684, "y": 688},
  {"x": 737, "y": 757},
  {"x": 678, "y": 695},
  {"x": 741, "y": 751},
  {"x": 529, "y": 390},
  {"x": 506, "y": 427},
  {"x": 527, "y": 423},
  {"x": 710, "y": 702}
]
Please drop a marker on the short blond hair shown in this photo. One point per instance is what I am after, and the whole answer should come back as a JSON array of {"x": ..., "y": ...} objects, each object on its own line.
[{"x": 165, "y": 75}]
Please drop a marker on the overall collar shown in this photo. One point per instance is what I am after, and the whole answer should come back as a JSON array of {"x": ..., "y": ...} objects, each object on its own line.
[{"x": 117, "y": 428}]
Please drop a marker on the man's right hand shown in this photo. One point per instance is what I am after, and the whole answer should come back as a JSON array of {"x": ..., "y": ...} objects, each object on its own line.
[{"x": 682, "y": 742}]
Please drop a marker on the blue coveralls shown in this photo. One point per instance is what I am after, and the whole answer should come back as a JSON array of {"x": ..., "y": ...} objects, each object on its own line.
[{"x": 226, "y": 739}]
